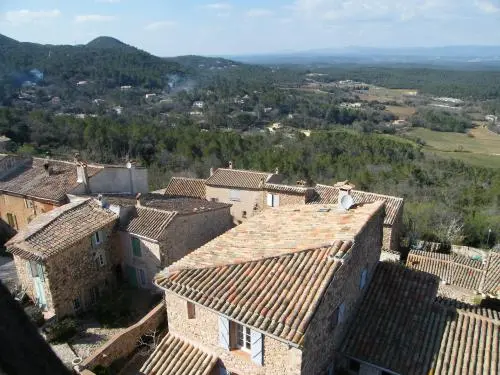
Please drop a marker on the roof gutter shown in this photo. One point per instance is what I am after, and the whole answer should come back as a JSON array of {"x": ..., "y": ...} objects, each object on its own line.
[{"x": 289, "y": 343}]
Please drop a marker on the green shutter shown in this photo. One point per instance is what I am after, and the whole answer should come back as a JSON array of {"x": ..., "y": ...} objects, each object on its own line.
[{"x": 136, "y": 247}]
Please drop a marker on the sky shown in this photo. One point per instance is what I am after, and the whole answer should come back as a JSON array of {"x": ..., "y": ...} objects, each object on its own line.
[{"x": 178, "y": 27}]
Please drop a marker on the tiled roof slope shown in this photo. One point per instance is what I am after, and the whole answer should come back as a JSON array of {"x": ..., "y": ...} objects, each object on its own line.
[
  {"x": 186, "y": 187},
  {"x": 270, "y": 272},
  {"x": 32, "y": 180},
  {"x": 148, "y": 222},
  {"x": 329, "y": 195},
  {"x": 492, "y": 279},
  {"x": 454, "y": 269},
  {"x": 174, "y": 356},
  {"x": 286, "y": 188},
  {"x": 181, "y": 205},
  {"x": 59, "y": 229},
  {"x": 238, "y": 178},
  {"x": 399, "y": 327}
]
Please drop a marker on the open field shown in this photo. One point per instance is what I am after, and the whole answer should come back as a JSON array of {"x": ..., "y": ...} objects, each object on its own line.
[
  {"x": 383, "y": 94},
  {"x": 403, "y": 112},
  {"x": 483, "y": 149}
]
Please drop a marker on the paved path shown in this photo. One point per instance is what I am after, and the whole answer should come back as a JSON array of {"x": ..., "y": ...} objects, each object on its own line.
[{"x": 8, "y": 272}]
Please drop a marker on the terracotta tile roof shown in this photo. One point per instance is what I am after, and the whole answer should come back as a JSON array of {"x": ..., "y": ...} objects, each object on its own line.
[
  {"x": 57, "y": 230},
  {"x": 465, "y": 307},
  {"x": 186, "y": 187},
  {"x": 270, "y": 272},
  {"x": 148, "y": 222},
  {"x": 452, "y": 268},
  {"x": 287, "y": 188},
  {"x": 400, "y": 327},
  {"x": 492, "y": 279},
  {"x": 330, "y": 194},
  {"x": 181, "y": 205},
  {"x": 175, "y": 356},
  {"x": 32, "y": 180},
  {"x": 238, "y": 178}
]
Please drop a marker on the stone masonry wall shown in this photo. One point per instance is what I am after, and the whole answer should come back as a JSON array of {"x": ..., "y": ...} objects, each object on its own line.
[
  {"x": 124, "y": 343},
  {"x": 279, "y": 359},
  {"x": 248, "y": 200},
  {"x": 395, "y": 232},
  {"x": 286, "y": 199},
  {"x": 74, "y": 271},
  {"x": 322, "y": 337},
  {"x": 188, "y": 232},
  {"x": 17, "y": 206}
]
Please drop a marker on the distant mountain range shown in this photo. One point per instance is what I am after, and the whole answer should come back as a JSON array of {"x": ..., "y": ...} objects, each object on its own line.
[{"x": 365, "y": 55}]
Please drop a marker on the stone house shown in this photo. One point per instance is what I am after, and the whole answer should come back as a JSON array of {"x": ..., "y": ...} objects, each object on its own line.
[
  {"x": 32, "y": 186},
  {"x": 64, "y": 259},
  {"x": 156, "y": 231},
  {"x": 401, "y": 328},
  {"x": 393, "y": 223},
  {"x": 241, "y": 188},
  {"x": 276, "y": 195},
  {"x": 275, "y": 295}
]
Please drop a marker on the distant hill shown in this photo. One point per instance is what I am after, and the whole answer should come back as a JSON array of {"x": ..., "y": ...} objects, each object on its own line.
[
  {"x": 105, "y": 61},
  {"x": 200, "y": 62}
]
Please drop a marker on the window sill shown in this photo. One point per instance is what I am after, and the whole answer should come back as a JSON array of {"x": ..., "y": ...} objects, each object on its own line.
[{"x": 242, "y": 354}]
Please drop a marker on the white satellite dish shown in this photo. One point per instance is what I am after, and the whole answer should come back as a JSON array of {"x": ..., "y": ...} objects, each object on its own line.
[
  {"x": 129, "y": 165},
  {"x": 346, "y": 202}
]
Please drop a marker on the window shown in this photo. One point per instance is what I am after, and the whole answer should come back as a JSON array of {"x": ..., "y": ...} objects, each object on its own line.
[
  {"x": 28, "y": 203},
  {"x": 243, "y": 338},
  {"x": 12, "y": 220},
  {"x": 341, "y": 318},
  {"x": 136, "y": 247},
  {"x": 77, "y": 305},
  {"x": 94, "y": 294},
  {"x": 191, "y": 310},
  {"x": 101, "y": 260},
  {"x": 338, "y": 316},
  {"x": 273, "y": 200},
  {"x": 214, "y": 199},
  {"x": 142, "y": 276},
  {"x": 97, "y": 238},
  {"x": 244, "y": 214},
  {"x": 362, "y": 281},
  {"x": 234, "y": 195},
  {"x": 354, "y": 365}
]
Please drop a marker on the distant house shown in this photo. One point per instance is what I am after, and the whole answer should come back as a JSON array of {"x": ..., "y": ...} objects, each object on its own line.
[
  {"x": 491, "y": 118},
  {"x": 402, "y": 328},
  {"x": 199, "y": 104},
  {"x": 276, "y": 294},
  {"x": 125, "y": 88},
  {"x": 149, "y": 96},
  {"x": 31, "y": 186},
  {"x": 81, "y": 83},
  {"x": 4, "y": 143},
  {"x": 156, "y": 231},
  {"x": 241, "y": 188},
  {"x": 63, "y": 258}
]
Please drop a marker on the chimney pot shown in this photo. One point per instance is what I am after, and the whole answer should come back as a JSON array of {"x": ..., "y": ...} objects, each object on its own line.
[
  {"x": 211, "y": 171},
  {"x": 277, "y": 171},
  {"x": 230, "y": 165}
]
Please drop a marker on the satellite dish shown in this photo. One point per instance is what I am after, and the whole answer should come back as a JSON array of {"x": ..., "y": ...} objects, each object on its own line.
[
  {"x": 129, "y": 165},
  {"x": 346, "y": 202}
]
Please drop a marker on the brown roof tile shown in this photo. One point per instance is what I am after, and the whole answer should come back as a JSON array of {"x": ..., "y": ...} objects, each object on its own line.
[
  {"x": 452, "y": 268},
  {"x": 330, "y": 194},
  {"x": 60, "y": 228},
  {"x": 32, "y": 180},
  {"x": 148, "y": 222},
  {"x": 175, "y": 356},
  {"x": 238, "y": 178},
  {"x": 181, "y": 205},
  {"x": 186, "y": 187},
  {"x": 492, "y": 279},
  {"x": 400, "y": 327},
  {"x": 287, "y": 188},
  {"x": 269, "y": 272}
]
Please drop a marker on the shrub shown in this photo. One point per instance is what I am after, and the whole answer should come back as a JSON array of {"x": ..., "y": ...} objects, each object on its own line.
[
  {"x": 113, "y": 310},
  {"x": 62, "y": 330},
  {"x": 35, "y": 314},
  {"x": 101, "y": 370}
]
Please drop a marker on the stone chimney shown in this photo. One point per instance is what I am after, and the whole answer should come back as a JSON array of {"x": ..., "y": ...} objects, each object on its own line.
[
  {"x": 46, "y": 165},
  {"x": 211, "y": 171},
  {"x": 138, "y": 200},
  {"x": 81, "y": 173},
  {"x": 230, "y": 165},
  {"x": 277, "y": 171}
]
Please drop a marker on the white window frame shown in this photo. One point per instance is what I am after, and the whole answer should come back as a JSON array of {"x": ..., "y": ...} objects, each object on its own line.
[
  {"x": 273, "y": 200},
  {"x": 235, "y": 195},
  {"x": 243, "y": 338}
]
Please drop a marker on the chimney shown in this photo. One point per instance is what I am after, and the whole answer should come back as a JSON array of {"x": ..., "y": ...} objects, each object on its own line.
[
  {"x": 345, "y": 188},
  {"x": 230, "y": 165},
  {"x": 102, "y": 201},
  {"x": 82, "y": 176},
  {"x": 46, "y": 165},
  {"x": 138, "y": 200},
  {"x": 211, "y": 171},
  {"x": 277, "y": 171}
]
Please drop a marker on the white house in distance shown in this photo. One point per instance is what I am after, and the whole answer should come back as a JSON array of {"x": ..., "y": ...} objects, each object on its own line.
[{"x": 199, "y": 104}]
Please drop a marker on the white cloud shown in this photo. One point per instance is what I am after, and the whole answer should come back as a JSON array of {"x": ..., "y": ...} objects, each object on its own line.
[
  {"x": 486, "y": 6},
  {"x": 94, "y": 18},
  {"x": 219, "y": 6},
  {"x": 17, "y": 17},
  {"x": 159, "y": 25},
  {"x": 259, "y": 12}
]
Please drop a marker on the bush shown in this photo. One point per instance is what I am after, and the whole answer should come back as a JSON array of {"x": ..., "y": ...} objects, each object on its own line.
[
  {"x": 62, "y": 331},
  {"x": 101, "y": 370},
  {"x": 113, "y": 310},
  {"x": 35, "y": 314}
]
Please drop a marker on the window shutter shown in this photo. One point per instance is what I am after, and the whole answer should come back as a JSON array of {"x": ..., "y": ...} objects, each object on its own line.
[
  {"x": 341, "y": 312},
  {"x": 224, "y": 332},
  {"x": 269, "y": 200},
  {"x": 256, "y": 338},
  {"x": 40, "y": 272},
  {"x": 223, "y": 371},
  {"x": 92, "y": 241},
  {"x": 104, "y": 236},
  {"x": 362, "y": 282},
  {"x": 276, "y": 200}
]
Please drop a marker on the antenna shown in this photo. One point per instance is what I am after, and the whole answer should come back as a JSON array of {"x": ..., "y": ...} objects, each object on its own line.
[{"x": 346, "y": 202}]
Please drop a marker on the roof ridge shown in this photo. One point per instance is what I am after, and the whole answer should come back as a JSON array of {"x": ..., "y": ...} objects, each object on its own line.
[
  {"x": 187, "y": 178},
  {"x": 362, "y": 191},
  {"x": 243, "y": 171}
]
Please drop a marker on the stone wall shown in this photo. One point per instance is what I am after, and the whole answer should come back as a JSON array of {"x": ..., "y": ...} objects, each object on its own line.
[
  {"x": 394, "y": 233},
  {"x": 279, "y": 358},
  {"x": 285, "y": 199},
  {"x": 188, "y": 232},
  {"x": 124, "y": 344},
  {"x": 74, "y": 271},
  {"x": 250, "y": 201},
  {"x": 323, "y": 338},
  {"x": 25, "y": 210}
]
